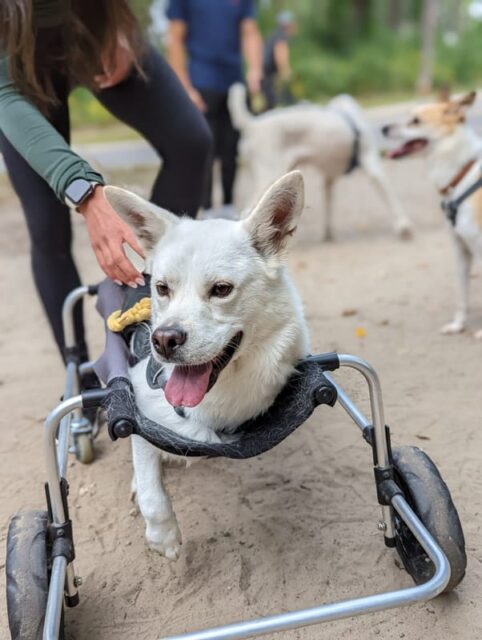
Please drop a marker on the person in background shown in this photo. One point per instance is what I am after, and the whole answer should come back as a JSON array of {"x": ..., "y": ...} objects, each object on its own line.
[
  {"x": 207, "y": 41},
  {"x": 276, "y": 64},
  {"x": 48, "y": 47}
]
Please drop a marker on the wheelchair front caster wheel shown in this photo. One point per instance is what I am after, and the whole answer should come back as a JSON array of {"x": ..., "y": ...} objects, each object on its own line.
[
  {"x": 84, "y": 448},
  {"x": 27, "y": 575},
  {"x": 428, "y": 495}
]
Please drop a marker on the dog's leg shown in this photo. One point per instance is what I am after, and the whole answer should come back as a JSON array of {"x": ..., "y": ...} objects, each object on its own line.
[
  {"x": 373, "y": 168},
  {"x": 162, "y": 530},
  {"x": 327, "y": 235},
  {"x": 464, "y": 262}
]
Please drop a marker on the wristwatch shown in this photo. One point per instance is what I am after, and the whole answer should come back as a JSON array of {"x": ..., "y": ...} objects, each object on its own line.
[{"x": 78, "y": 191}]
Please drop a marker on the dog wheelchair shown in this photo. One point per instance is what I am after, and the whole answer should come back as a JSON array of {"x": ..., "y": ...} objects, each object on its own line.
[{"x": 418, "y": 517}]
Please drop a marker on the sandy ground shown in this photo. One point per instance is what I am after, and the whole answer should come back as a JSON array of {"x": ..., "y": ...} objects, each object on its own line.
[{"x": 296, "y": 527}]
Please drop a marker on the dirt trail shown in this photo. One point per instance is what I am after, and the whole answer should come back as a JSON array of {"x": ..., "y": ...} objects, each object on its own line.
[{"x": 296, "y": 527}]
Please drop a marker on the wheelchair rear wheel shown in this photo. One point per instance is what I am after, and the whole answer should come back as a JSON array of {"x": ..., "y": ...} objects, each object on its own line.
[
  {"x": 27, "y": 575},
  {"x": 429, "y": 497}
]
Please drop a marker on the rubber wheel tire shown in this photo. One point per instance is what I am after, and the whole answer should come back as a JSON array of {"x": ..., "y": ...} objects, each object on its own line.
[
  {"x": 27, "y": 575},
  {"x": 84, "y": 448},
  {"x": 428, "y": 495}
]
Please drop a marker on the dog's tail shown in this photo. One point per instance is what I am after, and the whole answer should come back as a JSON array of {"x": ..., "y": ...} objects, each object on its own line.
[{"x": 238, "y": 109}]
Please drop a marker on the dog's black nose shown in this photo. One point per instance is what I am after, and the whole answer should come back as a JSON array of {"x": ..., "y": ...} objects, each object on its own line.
[
  {"x": 386, "y": 130},
  {"x": 167, "y": 339}
]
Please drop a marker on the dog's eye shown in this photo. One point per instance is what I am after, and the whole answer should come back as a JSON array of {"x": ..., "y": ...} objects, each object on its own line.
[
  {"x": 221, "y": 289},
  {"x": 162, "y": 289},
  {"x": 415, "y": 121}
]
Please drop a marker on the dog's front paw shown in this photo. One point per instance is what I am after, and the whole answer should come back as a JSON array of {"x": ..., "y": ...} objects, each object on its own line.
[
  {"x": 165, "y": 539},
  {"x": 452, "y": 328},
  {"x": 478, "y": 334}
]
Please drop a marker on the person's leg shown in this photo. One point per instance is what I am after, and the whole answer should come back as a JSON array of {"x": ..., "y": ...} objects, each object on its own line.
[
  {"x": 213, "y": 103},
  {"x": 159, "y": 108},
  {"x": 229, "y": 152},
  {"x": 49, "y": 226}
]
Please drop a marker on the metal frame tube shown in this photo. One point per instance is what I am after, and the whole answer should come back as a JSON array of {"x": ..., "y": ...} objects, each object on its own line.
[
  {"x": 54, "y": 602},
  {"x": 53, "y": 476},
  {"x": 346, "y": 608},
  {"x": 350, "y": 407},
  {"x": 376, "y": 404},
  {"x": 63, "y": 574},
  {"x": 64, "y": 428},
  {"x": 68, "y": 314},
  {"x": 378, "y": 421}
]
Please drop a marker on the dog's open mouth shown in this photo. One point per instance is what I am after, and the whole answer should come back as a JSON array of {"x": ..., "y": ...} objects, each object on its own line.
[
  {"x": 412, "y": 146},
  {"x": 188, "y": 384}
]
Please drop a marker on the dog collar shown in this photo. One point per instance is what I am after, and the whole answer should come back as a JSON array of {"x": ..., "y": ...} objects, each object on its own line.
[{"x": 458, "y": 177}]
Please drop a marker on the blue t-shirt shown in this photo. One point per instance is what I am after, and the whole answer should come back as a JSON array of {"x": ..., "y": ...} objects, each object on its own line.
[{"x": 213, "y": 39}]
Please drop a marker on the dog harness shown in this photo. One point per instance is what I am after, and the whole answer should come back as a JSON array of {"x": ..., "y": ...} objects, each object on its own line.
[
  {"x": 451, "y": 207},
  {"x": 354, "y": 162},
  {"x": 306, "y": 389}
]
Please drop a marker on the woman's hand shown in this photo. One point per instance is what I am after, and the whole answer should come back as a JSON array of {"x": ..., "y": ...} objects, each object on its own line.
[
  {"x": 116, "y": 66},
  {"x": 107, "y": 233}
]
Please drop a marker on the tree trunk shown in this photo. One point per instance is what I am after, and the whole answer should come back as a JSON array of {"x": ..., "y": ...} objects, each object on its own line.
[{"x": 429, "y": 29}]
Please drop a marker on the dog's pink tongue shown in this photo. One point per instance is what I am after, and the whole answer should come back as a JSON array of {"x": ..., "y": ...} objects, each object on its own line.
[{"x": 187, "y": 386}]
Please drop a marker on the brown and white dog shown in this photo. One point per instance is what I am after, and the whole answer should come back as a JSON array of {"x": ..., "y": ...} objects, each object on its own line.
[{"x": 454, "y": 152}]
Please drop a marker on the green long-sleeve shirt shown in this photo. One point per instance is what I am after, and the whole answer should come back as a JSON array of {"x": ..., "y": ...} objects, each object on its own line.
[{"x": 32, "y": 135}]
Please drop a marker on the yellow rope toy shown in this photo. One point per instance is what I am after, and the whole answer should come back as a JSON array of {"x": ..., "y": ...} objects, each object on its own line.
[{"x": 141, "y": 311}]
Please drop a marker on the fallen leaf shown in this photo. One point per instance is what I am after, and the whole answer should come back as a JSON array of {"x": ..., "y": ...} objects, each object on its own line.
[{"x": 346, "y": 313}]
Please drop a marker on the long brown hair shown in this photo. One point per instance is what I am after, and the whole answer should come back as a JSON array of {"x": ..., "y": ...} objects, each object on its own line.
[{"x": 39, "y": 49}]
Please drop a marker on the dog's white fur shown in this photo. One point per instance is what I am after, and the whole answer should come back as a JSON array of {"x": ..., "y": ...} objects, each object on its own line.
[
  {"x": 190, "y": 256},
  {"x": 284, "y": 139},
  {"x": 450, "y": 144}
]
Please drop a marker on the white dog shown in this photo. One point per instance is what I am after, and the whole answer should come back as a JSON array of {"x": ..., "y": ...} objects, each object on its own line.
[
  {"x": 333, "y": 139},
  {"x": 226, "y": 323},
  {"x": 454, "y": 152}
]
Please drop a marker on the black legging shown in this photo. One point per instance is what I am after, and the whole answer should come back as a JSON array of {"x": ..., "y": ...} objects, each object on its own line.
[
  {"x": 225, "y": 144},
  {"x": 162, "y": 112}
]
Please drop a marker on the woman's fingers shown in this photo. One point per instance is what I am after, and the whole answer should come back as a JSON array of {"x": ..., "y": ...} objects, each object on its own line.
[
  {"x": 124, "y": 267},
  {"x": 131, "y": 239}
]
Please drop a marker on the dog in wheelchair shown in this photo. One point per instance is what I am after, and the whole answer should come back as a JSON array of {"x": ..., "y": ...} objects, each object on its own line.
[{"x": 227, "y": 326}]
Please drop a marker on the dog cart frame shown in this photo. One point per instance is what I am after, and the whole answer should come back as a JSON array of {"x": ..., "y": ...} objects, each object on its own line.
[{"x": 40, "y": 546}]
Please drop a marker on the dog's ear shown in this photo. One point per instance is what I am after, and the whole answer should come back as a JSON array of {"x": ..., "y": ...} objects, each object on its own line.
[
  {"x": 148, "y": 221},
  {"x": 275, "y": 217},
  {"x": 464, "y": 100}
]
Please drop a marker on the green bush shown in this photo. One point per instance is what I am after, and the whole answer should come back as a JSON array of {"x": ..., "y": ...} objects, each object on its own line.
[{"x": 386, "y": 63}]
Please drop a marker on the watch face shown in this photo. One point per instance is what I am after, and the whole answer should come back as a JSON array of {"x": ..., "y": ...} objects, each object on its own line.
[{"x": 78, "y": 190}]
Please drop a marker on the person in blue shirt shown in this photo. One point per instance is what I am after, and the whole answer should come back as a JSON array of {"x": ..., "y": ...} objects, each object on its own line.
[{"x": 206, "y": 45}]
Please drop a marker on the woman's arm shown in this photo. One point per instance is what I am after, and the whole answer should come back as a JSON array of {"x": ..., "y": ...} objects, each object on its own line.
[
  {"x": 36, "y": 140},
  {"x": 49, "y": 155}
]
